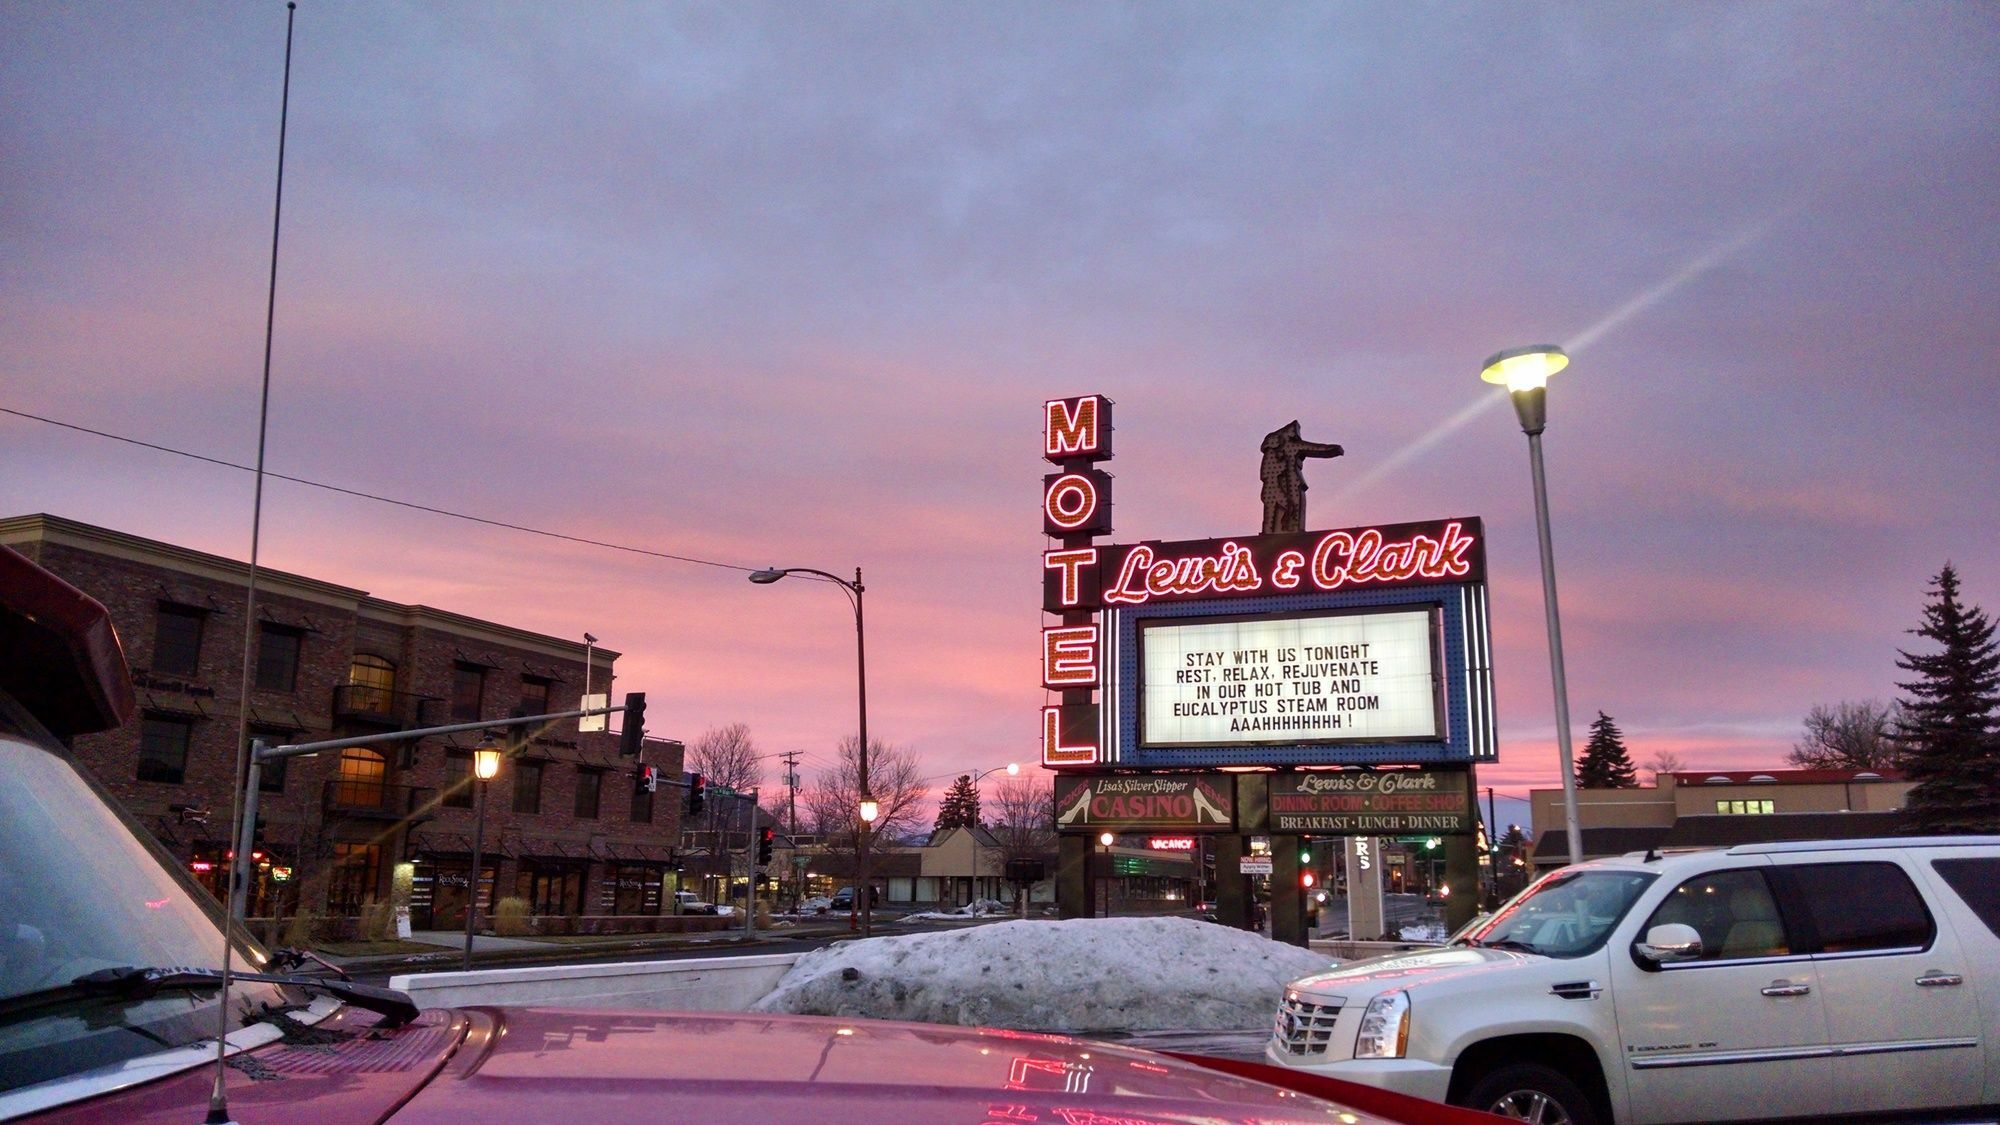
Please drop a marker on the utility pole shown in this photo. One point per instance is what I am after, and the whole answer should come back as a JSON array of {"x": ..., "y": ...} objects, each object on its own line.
[{"x": 792, "y": 817}]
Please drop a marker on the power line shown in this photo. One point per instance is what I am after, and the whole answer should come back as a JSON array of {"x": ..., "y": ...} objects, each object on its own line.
[{"x": 387, "y": 499}]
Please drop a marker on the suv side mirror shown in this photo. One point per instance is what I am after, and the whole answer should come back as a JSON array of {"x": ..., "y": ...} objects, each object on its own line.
[{"x": 1675, "y": 941}]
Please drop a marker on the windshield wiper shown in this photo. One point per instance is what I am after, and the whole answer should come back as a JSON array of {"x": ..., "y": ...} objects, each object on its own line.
[
  {"x": 1508, "y": 943},
  {"x": 139, "y": 984}
]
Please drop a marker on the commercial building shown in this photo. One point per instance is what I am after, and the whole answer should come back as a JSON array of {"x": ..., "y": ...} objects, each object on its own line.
[
  {"x": 1719, "y": 808},
  {"x": 567, "y": 827}
]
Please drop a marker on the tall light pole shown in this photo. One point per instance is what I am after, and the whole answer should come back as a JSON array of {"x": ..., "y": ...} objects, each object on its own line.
[
  {"x": 868, "y": 806},
  {"x": 485, "y": 767},
  {"x": 1013, "y": 770},
  {"x": 1525, "y": 373}
]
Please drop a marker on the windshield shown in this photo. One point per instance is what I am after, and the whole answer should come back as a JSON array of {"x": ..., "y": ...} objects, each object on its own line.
[
  {"x": 1567, "y": 914},
  {"x": 80, "y": 893}
]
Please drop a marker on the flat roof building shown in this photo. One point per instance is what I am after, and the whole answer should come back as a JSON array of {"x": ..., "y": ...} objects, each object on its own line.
[{"x": 567, "y": 828}]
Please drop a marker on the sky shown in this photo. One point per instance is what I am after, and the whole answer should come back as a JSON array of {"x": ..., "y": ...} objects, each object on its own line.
[{"x": 787, "y": 284}]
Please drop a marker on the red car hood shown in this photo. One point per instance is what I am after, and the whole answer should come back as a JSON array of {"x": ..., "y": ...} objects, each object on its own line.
[{"x": 589, "y": 1065}]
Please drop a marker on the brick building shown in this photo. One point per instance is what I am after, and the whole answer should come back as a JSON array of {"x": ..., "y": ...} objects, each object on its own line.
[{"x": 567, "y": 828}]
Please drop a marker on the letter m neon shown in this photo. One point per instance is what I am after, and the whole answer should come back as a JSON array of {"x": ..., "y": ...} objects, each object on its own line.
[{"x": 1077, "y": 428}]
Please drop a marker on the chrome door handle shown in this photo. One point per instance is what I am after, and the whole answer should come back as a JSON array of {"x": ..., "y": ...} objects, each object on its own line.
[
  {"x": 1785, "y": 988},
  {"x": 1934, "y": 979}
]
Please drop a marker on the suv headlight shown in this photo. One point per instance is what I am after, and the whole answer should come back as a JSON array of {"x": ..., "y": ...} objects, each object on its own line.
[{"x": 1385, "y": 1027}]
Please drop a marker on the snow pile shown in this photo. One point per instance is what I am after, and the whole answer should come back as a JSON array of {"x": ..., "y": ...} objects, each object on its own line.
[
  {"x": 1082, "y": 975},
  {"x": 983, "y": 908}
]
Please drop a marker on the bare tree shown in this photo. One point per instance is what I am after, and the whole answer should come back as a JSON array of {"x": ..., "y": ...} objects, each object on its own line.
[
  {"x": 1849, "y": 736},
  {"x": 833, "y": 800},
  {"x": 1024, "y": 823},
  {"x": 726, "y": 756},
  {"x": 1665, "y": 761}
]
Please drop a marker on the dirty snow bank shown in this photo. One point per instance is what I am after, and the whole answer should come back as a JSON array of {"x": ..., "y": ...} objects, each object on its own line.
[{"x": 1085, "y": 974}]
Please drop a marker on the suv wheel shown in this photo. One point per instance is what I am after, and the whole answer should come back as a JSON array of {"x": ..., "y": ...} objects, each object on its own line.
[{"x": 1527, "y": 1092}]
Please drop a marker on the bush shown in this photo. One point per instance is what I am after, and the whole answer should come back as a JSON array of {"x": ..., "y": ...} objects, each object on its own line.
[
  {"x": 377, "y": 922},
  {"x": 510, "y": 918},
  {"x": 299, "y": 931}
]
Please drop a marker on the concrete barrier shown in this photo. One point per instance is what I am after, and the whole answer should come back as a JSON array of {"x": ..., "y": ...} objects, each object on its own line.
[{"x": 706, "y": 984}]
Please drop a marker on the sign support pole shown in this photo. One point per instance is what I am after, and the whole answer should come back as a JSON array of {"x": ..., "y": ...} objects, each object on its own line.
[
  {"x": 1288, "y": 906},
  {"x": 1232, "y": 894},
  {"x": 1074, "y": 897}
]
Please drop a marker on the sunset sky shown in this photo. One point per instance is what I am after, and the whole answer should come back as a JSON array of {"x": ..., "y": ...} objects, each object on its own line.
[{"x": 786, "y": 284}]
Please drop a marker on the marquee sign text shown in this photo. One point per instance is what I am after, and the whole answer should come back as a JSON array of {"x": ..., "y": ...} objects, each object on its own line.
[{"x": 1372, "y": 802}]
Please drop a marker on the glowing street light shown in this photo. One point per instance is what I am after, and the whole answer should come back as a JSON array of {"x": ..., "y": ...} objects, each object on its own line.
[
  {"x": 869, "y": 809},
  {"x": 1525, "y": 373},
  {"x": 485, "y": 767}
]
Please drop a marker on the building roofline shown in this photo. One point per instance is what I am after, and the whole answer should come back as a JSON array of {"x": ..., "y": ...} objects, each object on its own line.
[{"x": 41, "y": 527}]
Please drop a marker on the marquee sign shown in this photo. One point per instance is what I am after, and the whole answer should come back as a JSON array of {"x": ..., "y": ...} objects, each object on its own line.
[
  {"x": 1199, "y": 802},
  {"x": 1330, "y": 676},
  {"x": 1372, "y": 802},
  {"x": 1314, "y": 562},
  {"x": 1360, "y": 645}
]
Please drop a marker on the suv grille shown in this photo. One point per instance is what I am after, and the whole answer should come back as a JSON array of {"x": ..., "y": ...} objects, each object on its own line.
[{"x": 1305, "y": 1028}]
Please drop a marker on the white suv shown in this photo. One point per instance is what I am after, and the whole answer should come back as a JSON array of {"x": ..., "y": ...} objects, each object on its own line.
[{"x": 1801, "y": 980}]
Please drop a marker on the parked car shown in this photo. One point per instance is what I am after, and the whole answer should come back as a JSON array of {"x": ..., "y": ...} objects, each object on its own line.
[
  {"x": 843, "y": 899},
  {"x": 1798, "y": 980},
  {"x": 107, "y": 1012},
  {"x": 687, "y": 902}
]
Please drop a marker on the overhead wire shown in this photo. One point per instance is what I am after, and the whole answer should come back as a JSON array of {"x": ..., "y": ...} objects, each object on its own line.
[{"x": 410, "y": 504}]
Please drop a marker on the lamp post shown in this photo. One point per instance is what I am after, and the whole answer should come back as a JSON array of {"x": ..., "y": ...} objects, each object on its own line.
[
  {"x": 1013, "y": 770},
  {"x": 485, "y": 767},
  {"x": 1105, "y": 873},
  {"x": 1525, "y": 373},
  {"x": 869, "y": 808}
]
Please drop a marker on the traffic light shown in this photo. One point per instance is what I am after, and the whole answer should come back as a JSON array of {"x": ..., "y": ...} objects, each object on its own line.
[
  {"x": 1306, "y": 880},
  {"x": 634, "y": 729},
  {"x": 649, "y": 779},
  {"x": 764, "y": 837},
  {"x": 697, "y": 793}
]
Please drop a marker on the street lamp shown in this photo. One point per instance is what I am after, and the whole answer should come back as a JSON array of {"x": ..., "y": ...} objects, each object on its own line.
[
  {"x": 1525, "y": 373},
  {"x": 1104, "y": 840},
  {"x": 1013, "y": 770},
  {"x": 485, "y": 767},
  {"x": 869, "y": 807}
]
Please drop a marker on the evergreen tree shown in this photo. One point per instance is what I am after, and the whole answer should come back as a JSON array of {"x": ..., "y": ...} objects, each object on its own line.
[
  {"x": 1605, "y": 764},
  {"x": 1948, "y": 727},
  {"x": 960, "y": 806}
]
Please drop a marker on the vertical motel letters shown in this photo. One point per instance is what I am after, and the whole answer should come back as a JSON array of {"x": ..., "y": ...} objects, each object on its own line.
[{"x": 1076, "y": 505}]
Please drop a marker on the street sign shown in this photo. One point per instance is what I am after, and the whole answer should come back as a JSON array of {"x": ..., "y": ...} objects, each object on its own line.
[
  {"x": 593, "y": 702},
  {"x": 1256, "y": 865}
]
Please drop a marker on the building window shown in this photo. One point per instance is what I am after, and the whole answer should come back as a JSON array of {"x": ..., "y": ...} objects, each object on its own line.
[
  {"x": 371, "y": 685},
  {"x": 278, "y": 657},
  {"x": 1742, "y": 808},
  {"x": 457, "y": 779},
  {"x": 354, "y": 879},
  {"x": 361, "y": 780},
  {"x": 534, "y": 695},
  {"x": 642, "y": 806},
  {"x": 589, "y": 788},
  {"x": 177, "y": 639},
  {"x": 163, "y": 749},
  {"x": 527, "y": 786},
  {"x": 468, "y": 692}
]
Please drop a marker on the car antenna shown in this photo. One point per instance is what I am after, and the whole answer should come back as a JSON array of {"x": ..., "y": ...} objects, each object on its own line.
[{"x": 1652, "y": 855}]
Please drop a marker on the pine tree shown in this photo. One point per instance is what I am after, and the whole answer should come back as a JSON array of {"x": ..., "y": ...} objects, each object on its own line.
[
  {"x": 960, "y": 806},
  {"x": 1948, "y": 728},
  {"x": 1605, "y": 764}
]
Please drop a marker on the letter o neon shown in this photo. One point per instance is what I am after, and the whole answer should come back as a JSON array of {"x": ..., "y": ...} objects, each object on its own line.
[{"x": 1071, "y": 502}]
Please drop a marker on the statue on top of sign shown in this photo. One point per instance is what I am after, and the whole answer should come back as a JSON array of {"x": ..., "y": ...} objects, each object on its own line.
[{"x": 1284, "y": 480}]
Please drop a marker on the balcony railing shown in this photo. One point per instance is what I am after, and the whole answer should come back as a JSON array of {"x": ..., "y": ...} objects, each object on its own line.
[
  {"x": 366, "y": 703},
  {"x": 377, "y": 800}
]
